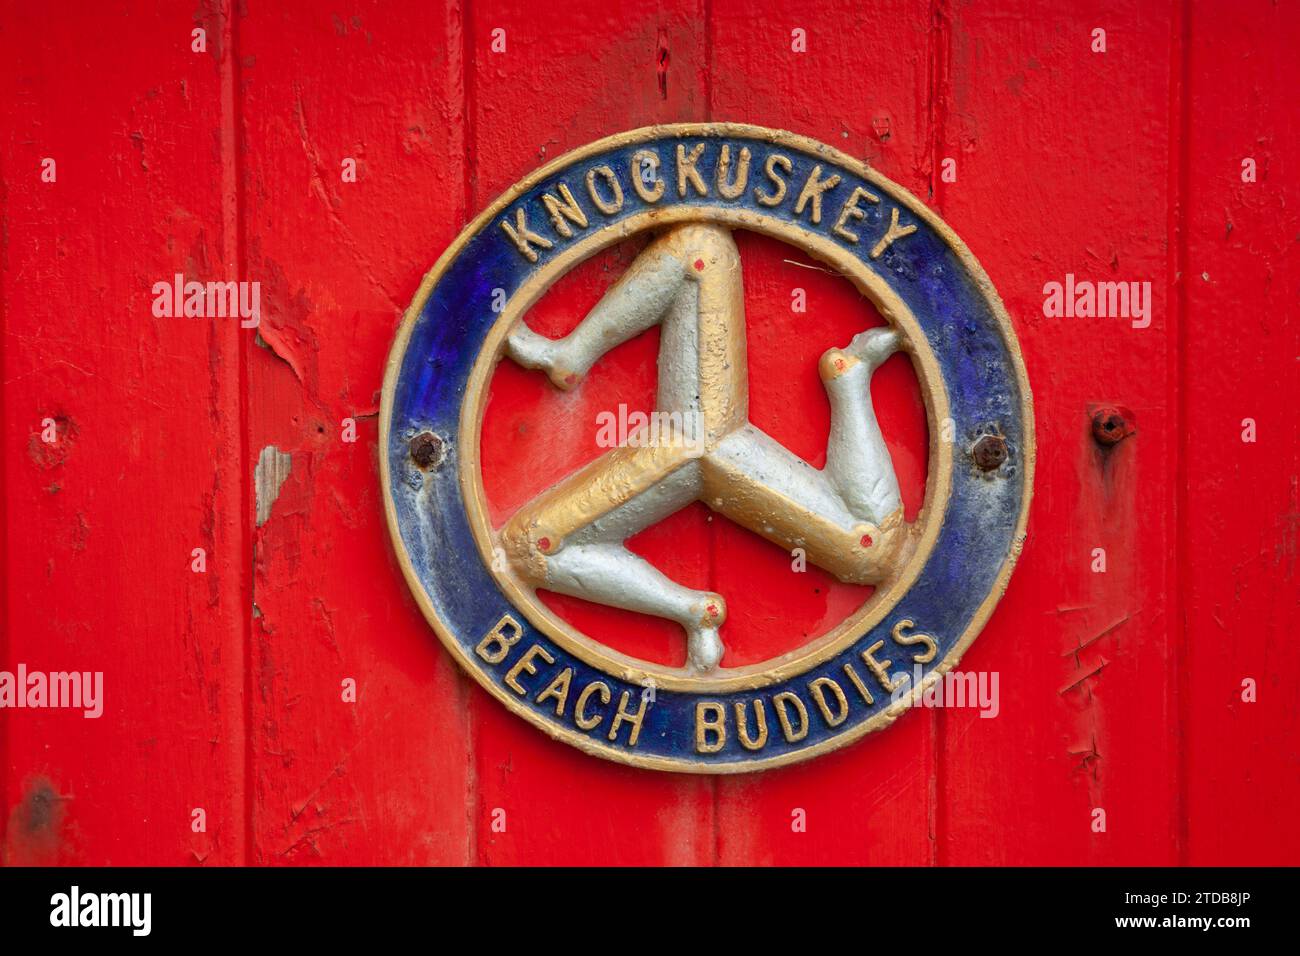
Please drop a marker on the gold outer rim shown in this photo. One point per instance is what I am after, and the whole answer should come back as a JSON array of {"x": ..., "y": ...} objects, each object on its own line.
[
  {"x": 938, "y": 482},
  {"x": 792, "y": 141}
]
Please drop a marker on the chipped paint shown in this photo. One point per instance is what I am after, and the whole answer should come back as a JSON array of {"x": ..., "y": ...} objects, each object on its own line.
[{"x": 272, "y": 469}]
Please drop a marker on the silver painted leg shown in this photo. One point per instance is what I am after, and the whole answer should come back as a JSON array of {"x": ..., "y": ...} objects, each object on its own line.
[
  {"x": 593, "y": 564},
  {"x": 857, "y": 459},
  {"x": 633, "y": 304},
  {"x": 858, "y": 483}
]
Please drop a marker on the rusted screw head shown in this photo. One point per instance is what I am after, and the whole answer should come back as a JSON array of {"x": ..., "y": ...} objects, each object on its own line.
[
  {"x": 989, "y": 452},
  {"x": 427, "y": 450},
  {"x": 1109, "y": 426}
]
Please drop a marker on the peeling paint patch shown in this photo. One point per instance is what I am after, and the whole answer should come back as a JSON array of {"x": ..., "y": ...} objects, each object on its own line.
[
  {"x": 35, "y": 833},
  {"x": 277, "y": 342},
  {"x": 272, "y": 469},
  {"x": 50, "y": 455}
]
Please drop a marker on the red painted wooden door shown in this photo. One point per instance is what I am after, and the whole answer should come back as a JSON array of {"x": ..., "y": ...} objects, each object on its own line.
[{"x": 1159, "y": 691}]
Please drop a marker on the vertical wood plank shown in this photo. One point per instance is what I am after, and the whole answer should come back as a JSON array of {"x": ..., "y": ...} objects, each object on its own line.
[
  {"x": 1241, "y": 508},
  {"x": 1063, "y": 167},
  {"x": 384, "y": 779},
  {"x": 560, "y": 83},
  {"x": 101, "y": 524},
  {"x": 863, "y": 86}
]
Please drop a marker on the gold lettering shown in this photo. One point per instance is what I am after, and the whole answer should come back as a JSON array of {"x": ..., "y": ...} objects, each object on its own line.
[
  {"x": 498, "y": 637},
  {"x": 523, "y": 237},
  {"x": 776, "y": 159},
  {"x": 779, "y": 702},
  {"x": 812, "y": 191},
  {"x": 613, "y": 205},
  {"x": 742, "y": 726},
  {"x": 525, "y": 666},
  {"x": 640, "y": 159},
  {"x": 559, "y": 689},
  {"x": 626, "y": 716},
  {"x": 733, "y": 189},
  {"x": 932, "y": 646},
  {"x": 851, "y": 209},
  {"x": 818, "y": 690},
  {"x": 580, "y": 708},
  {"x": 686, "y": 170},
  {"x": 560, "y": 212},
  {"x": 717, "y": 724},
  {"x": 892, "y": 235},
  {"x": 853, "y": 677},
  {"x": 879, "y": 668}
]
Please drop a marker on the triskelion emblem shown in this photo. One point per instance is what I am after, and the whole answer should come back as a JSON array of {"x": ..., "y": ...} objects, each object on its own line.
[{"x": 689, "y": 187}]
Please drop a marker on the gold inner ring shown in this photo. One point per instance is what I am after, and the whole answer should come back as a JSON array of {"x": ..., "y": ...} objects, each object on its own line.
[{"x": 938, "y": 473}]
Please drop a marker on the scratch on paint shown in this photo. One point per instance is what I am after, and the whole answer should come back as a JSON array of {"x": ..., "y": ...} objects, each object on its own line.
[
  {"x": 1088, "y": 759},
  {"x": 272, "y": 469},
  {"x": 332, "y": 202},
  {"x": 1092, "y": 673},
  {"x": 338, "y": 771},
  {"x": 1094, "y": 639},
  {"x": 805, "y": 265}
]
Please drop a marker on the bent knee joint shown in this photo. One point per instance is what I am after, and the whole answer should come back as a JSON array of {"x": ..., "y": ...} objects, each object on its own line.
[
  {"x": 708, "y": 610},
  {"x": 876, "y": 553},
  {"x": 527, "y": 544},
  {"x": 835, "y": 364}
]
